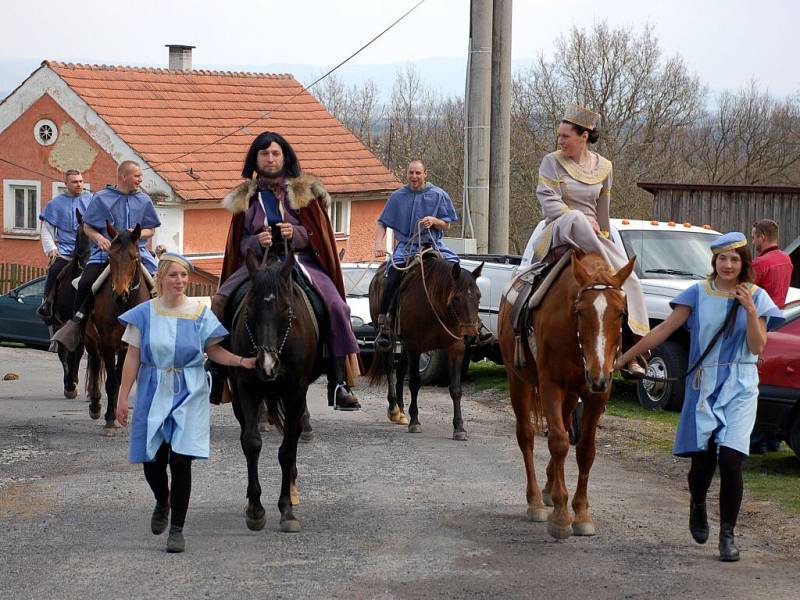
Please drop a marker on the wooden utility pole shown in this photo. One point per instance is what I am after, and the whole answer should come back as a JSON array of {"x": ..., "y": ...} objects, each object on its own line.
[
  {"x": 500, "y": 145},
  {"x": 479, "y": 119}
]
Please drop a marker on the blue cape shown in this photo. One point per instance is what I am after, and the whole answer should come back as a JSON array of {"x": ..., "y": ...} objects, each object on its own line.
[{"x": 60, "y": 213}]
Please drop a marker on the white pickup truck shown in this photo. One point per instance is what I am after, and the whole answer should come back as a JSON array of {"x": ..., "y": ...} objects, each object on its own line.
[{"x": 669, "y": 258}]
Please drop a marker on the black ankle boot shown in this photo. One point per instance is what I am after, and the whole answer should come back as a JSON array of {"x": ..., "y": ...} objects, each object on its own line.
[
  {"x": 175, "y": 541},
  {"x": 339, "y": 395},
  {"x": 160, "y": 518},
  {"x": 383, "y": 341},
  {"x": 45, "y": 311},
  {"x": 728, "y": 552},
  {"x": 698, "y": 522}
]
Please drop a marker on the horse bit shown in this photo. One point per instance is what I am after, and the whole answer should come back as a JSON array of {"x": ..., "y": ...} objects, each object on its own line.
[
  {"x": 270, "y": 349},
  {"x": 599, "y": 287}
]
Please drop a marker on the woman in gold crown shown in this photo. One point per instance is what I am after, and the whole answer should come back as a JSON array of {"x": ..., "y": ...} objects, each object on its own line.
[{"x": 574, "y": 191}]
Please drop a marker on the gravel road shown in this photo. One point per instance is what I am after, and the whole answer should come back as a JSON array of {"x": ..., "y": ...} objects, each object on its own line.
[{"x": 384, "y": 513}]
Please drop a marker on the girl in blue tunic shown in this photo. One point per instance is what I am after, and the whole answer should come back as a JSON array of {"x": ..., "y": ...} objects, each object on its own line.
[
  {"x": 721, "y": 398},
  {"x": 166, "y": 339}
]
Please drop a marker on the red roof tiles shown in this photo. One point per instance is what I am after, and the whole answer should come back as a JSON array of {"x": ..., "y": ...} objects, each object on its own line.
[{"x": 175, "y": 121}]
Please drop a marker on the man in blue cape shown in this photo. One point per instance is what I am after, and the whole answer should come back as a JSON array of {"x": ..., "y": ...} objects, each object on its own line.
[
  {"x": 418, "y": 213},
  {"x": 124, "y": 206},
  {"x": 59, "y": 232}
]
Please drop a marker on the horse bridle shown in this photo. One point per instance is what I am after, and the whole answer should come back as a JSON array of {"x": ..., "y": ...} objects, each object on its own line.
[
  {"x": 597, "y": 287},
  {"x": 270, "y": 349}
]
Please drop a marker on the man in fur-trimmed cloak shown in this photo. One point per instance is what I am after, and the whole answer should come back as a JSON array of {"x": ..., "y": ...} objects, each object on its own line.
[{"x": 278, "y": 199}]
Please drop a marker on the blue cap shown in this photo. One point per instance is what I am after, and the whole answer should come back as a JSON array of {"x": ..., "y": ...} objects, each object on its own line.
[
  {"x": 177, "y": 258},
  {"x": 729, "y": 241}
]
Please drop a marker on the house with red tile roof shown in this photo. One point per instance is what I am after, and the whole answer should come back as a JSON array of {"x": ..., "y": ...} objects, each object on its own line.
[{"x": 190, "y": 130}]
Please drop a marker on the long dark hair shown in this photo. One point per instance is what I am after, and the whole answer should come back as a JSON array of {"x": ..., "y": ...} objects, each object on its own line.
[
  {"x": 291, "y": 166},
  {"x": 746, "y": 275}
]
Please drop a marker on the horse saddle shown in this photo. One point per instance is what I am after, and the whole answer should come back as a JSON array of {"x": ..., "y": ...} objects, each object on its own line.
[{"x": 527, "y": 290}]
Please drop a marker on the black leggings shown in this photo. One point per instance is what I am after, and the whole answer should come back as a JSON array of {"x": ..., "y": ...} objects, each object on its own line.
[
  {"x": 730, "y": 474},
  {"x": 52, "y": 272},
  {"x": 90, "y": 274},
  {"x": 155, "y": 473},
  {"x": 392, "y": 283}
]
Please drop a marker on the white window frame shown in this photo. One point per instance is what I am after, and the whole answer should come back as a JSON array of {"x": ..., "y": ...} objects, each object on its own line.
[
  {"x": 9, "y": 207},
  {"x": 59, "y": 187},
  {"x": 345, "y": 204}
]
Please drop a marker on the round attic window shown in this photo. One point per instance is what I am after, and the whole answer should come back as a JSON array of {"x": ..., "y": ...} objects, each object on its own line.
[{"x": 45, "y": 132}]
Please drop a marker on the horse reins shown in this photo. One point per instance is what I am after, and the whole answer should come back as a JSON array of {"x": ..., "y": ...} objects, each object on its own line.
[
  {"x": 598, "y": 287},
  {"x": 727, "y": 327}
]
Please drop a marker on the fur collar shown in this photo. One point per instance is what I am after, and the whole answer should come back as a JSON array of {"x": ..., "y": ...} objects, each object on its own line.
[{"x": 300, "y": 192}]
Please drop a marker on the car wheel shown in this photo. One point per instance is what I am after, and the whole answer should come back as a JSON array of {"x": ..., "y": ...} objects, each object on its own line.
[
  {"x": 666, "y": 361},
  {"x": 794, "y": 435},
  {"x": 433, "y": 367}
]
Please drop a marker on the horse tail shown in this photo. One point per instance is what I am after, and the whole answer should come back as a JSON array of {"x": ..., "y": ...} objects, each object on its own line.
[
  {"x": 100, "y": 375},
  {"x": 276, "y": 412},
  {"x": 377, "y": 370}
]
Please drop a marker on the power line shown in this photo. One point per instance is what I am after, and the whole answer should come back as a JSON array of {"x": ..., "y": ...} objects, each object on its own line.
[{"x": 267, "y": 113}]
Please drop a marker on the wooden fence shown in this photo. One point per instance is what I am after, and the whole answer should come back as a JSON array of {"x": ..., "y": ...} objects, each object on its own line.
[{"x": 12, "y": 275}]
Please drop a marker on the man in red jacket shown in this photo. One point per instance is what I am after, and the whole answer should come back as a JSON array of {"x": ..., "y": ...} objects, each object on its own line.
[
  {"x": 773, "y": 272},
  {"x": 772, "y": 266}
]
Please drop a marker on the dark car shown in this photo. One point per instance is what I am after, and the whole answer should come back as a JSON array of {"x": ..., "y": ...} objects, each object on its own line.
[
  {"x": 18, "y": 320},
  {"x": 779, "y": 381}
]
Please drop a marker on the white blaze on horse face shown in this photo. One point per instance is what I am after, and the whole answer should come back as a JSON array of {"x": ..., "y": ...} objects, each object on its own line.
[
  {"x": 600, "y": 304},
  {"x": 268, "y": 363}
]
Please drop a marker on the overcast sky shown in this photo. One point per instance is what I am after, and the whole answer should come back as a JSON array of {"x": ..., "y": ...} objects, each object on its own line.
[{"x": 725, "y": 42}]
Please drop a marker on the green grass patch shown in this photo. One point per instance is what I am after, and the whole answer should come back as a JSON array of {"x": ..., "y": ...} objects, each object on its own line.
[
  {"x": 486, "y": 375},
  {"x": 774, "y": 476}
]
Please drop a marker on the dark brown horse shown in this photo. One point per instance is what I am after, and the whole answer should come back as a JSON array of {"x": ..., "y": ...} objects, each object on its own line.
[
  {"x": 577, "y": 330},
  {"x": 122, "y": 290},
  {"x": 64, "y": 307},
  {"x": 438, "y": 307},
  {"x": 274, "y": 324}
]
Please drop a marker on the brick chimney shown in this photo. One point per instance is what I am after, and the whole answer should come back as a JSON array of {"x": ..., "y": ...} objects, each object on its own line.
[{"x": 180, "y": 57}]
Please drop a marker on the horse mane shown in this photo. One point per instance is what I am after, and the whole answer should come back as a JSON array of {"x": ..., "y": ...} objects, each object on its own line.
[{"x": 439, "y": 279}]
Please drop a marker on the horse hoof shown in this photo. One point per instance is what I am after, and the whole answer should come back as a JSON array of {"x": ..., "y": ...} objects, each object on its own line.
[
  {"x": 538, "y": 514},
  {"x": 94, "y": 413},
  {"x": 560, "y": 532},
  {"x": 108, "y": 432},
  {"x": 290, "y": 526},
  {"x": 306, "y": 436},
  {"x": 255, "y": 524},
  {"x": 548, "y": 501},
  {"x": 71, "y": 394},
  {"x": 583, "y": 528},
  {"x": 394, "y": 415},
  {"x": 414, "y": 428},
  {"x": 460, "y": 436}
]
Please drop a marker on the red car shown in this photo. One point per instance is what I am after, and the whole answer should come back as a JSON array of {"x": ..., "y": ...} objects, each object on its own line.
[{"x": 779, "y": 381}]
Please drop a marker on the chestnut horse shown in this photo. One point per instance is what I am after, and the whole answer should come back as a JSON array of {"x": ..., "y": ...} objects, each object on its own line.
[
  {"x": 122, "y": 290},
  {"x": 276, "y": 325},
  {"x": 577, "y": 330},
  {"x": 438, "y": 308},
  {"x": 64, "y": 308}
]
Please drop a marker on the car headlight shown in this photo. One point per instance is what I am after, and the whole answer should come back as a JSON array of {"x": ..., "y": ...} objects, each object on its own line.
[{"x": 356, "y": 322}]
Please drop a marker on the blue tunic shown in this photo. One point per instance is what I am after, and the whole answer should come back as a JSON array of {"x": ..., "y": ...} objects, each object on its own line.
[
  {"x": 60, "y": 213},
  {"x": 171, "y": 386},
  {"x": 124, "y": 211},
  {"x": 403, "y": 211},
  {"x": 722, "y": 394}
]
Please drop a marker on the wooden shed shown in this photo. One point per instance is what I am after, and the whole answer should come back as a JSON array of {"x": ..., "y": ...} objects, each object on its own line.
[{"x": 732, "y": 208}]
